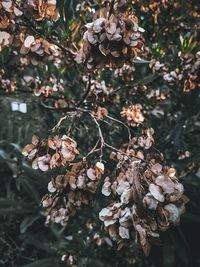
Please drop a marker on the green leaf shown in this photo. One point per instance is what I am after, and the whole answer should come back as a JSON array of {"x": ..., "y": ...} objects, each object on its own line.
[
  {"x": 27, "y": 222},
  {"x": 50, "y": 262}
]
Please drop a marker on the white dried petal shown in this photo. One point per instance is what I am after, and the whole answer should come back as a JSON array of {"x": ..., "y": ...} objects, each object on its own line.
[
  {"x": 66, "y": 153},
  {"x": 35, "y": 164},
  {"x": 46, "y": 203},
  {"x": 122, "y": 186},
  {"x": 51, "y": 188},
  {"x": 91, "y": 174},
  {"x": 32, "y": 154},
  {"x": 80, "y": 182},
  {"x": 124, "y": 232},
  {"x": 126, "y": 195},
  {"x": 165, "y": 183},
  {"x": 98, "y": 24},
  {"x": 106, "y": 191},
  {"x": 156, "y": 168},
  {"x": 17, "y": 12},
  {"x": 111, "y": 28},
  {"x": 29, "y": 41},
  {"x": 105, "y": 212},
  {"x": 174, "y": 215},
  {"x": 156, "y": 192},
  {"x": 4, "y": 37},
  {"x": 109, "y": 222},
  {"x": 100, "y": 166},
  {"x": 42, "y": 163},
  {"x": 150, "y": 202},
  {"x": 7, "y": 5}
]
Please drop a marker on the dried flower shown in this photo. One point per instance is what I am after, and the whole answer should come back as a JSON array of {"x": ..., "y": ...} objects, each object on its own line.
[
  {"x": 110, "y": 40},
  {"x": 133, "y": 114},
  {"x": 147, "y": 199}
]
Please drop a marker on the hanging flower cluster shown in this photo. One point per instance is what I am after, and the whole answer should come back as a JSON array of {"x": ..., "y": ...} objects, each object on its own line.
[
  {"x": 133, "y": 114},
  {"x": 110, "y": 40},
  {"x": 8, "y": 13},
  {"x": 55, "y": 152},
  {"x": 148, "y": 200},
  {"x": 51, "y": 85},
  {"x": 43, "y": 9},
  {"x": 69, "y": 192},
  {"x": 145, "y": 141},
  {"x": 38, "y": 49}
]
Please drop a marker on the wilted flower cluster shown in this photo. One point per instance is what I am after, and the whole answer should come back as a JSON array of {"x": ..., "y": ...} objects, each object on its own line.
[
  {"x": 110, "y": 40},
  {"x": 43, "y": 9},
  {"x": 133, "y": 114},
  {"x": 55, "y": 152},
  {"x": 97, "y": 87},
  {"x": 38, "y": 49},
  {"x": 5, "y": 39},
  {"x": 100, "y": 113},
  {"x": 51, "y": 85},
  {"x": 69, "y": 192},
  {"x": 8, "y": 12},
  {"x": 186, "y": 75},
  {"x": 147, "y": 199},
  {"x": 158, "y": 94},
  {"x": 145, "y": 141},
  {"x": 126, "y": 72},
  {"x": 7, "y": 84}
]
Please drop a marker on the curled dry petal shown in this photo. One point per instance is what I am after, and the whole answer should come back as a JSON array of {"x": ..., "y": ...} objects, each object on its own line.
[
  {"x": 124, "y": 232},
  {"x": 174, "y": 214},
  {"x": 29, "y": 41},
  {"x": 91, "y": 174},
  {"x": 156, "y": 192},
  {"x": 100, "y": 167},
  {"x": 51, "y": 188},
  {"x": 165, "y": 183},
  {"x": 150, "y": 202}
]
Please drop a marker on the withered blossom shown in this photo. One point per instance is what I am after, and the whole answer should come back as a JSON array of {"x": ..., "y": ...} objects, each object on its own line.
[
  {"x": 43, "y": 9},
  {"x": 55, "y": 152},
  {"x": 133, "y": 114},
  {"x": 67, "y": 193},
  {"x": 147, "y": 199},
  {"x": 110, "y": 40}
]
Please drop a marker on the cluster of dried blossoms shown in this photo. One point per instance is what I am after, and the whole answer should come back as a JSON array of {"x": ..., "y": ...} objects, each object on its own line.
[
  {"x": 38, "y": 49},
  {"x": 55, "y": 152},
  {"x": 43, "y": 9},
  {"x": 144, "y": 141},
  {"x": 185, "y": 75},
  {"x": 69, "y": 192},
  {"x": 8, "y": 13},
  {"x": 126, "y": 72},
  {"x": 147, "y": 199},
  {"x": 7, "y": 84},
  {"x": 97, "y": 87},
  {"x": 110, "y": 40},
  {"x": 100, "y": 113},
  {"x": 49, "y": 87},
  {"x": 133, "y": 115}
]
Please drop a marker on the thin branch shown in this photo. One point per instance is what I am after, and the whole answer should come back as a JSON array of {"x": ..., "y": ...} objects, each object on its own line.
[
  {"x": 86, "y": 93},
  {"x": 120, "y": 122}
]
